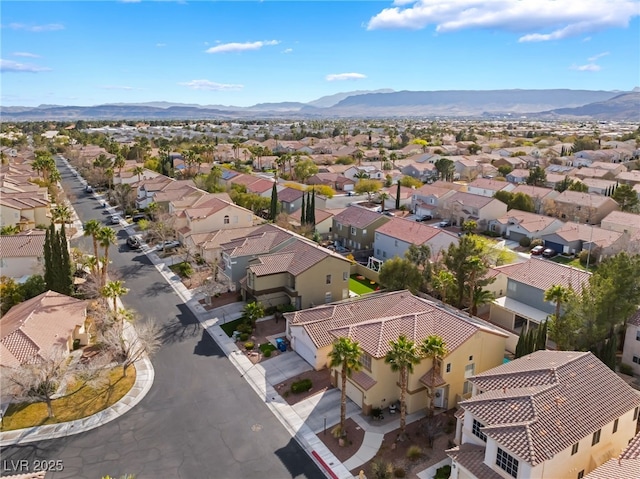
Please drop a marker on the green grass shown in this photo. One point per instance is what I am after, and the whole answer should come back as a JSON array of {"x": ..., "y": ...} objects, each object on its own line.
[
  {"x": 264, "y": 347},
  {"x": 361, "y": 286},
  {"x": 231, "y": 326},
  {"x": 575, "y": 262}
]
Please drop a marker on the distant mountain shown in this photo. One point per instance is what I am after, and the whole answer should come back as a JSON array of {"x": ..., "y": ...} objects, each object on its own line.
[
  {"x": 331, "y": 100},
  {"x": 381, "y": 103},
  {"x": 622, "y": 107}
]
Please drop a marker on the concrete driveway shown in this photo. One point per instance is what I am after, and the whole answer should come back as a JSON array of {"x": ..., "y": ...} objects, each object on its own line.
[
  {"x": 282, "y": 367},
  {"x": 314, "y": 410}
]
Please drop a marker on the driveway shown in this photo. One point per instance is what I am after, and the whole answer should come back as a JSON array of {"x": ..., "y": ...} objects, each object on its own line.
[
  {"x": 315, "y": 409},
  {"x": 200, "y": 419}
]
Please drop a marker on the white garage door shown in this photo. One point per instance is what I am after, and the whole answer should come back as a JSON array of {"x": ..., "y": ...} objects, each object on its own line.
[
  {"x": 355, "y": 394},
  {"x": 305, "y": 352}
]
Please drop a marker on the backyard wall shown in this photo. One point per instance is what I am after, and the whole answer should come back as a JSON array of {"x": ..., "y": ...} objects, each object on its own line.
[{"x": 362, "y": 270}]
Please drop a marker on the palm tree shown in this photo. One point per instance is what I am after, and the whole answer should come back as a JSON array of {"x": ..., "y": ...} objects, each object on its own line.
[
  {"x": 113, "y": 290},
  {"x": 61, "y": 214},
  {"x": 362, "y": 175},
  {"x": 402, "y": 356},
  {"x": 253, "y": 312},
  {"x": 106, "y": 237},
  {"x": 345, "y": 355},
  {"x": 383, "y": 196},
  {"x": 91, "y": 228},
  {"x": 479, "y": 297},
  {"x": 138, "y": 170},
  {"x": 557, "y": 294},
  {"x": 119, "y": 163},
  {"x": 443, "y": 282},
  {"x": 434, "y": 348}
]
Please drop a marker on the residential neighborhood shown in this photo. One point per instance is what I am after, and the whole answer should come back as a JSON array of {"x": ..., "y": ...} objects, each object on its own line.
[{"x": 479, "y": 305}]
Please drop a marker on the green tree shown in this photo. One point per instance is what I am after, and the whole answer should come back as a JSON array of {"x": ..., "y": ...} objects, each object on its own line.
[
  {"x": 303, "y": 211},
  {"x": 138, "y": 171},
  {"x": 402, "y": 356},
  {"x": 61, "y": 214},
  {"x": 433, "y": 347},
  {"x": 114, "y": 290},
  {"x": 504, "y": 170},
  {"x": 33, "y": 286},
  {"x": 464, "y": 261},
  {"x": 91, "y": 228},
  {"x": 368, "y": 186},
  {"x": 323, "y": 190},
  {"x": 10, "y": 294},
  {"x": 106, "y": 237},
  {"x": 398, "y": 193},
  {"x": 252, "y": 312},
  {"x": 627, "y": 198},
  {"x": 521, "y": 202},
  {"x": 479, "y": 297},
  {"x": 578, "y": 186},
  {"x": 559, "y": 295},
  {"x": 57, "y": 263},
  {"x": 445, "y": 168},
  {"x": 345, "y": 355},
  {"x": 469, "y": 226},
  {"x": 400, "y": 273},
  {"x": 10, "y": 230},
  {"x": 305, "y": 169},
  {"x": 504, "y": 196},
  {"x": 273, "y": 208},
  {"x": 444, "y": 282},
  {"x": 537, "y": 176},
  {"x": 410, "y": 182},
  {"x": 421, "y": 257}
]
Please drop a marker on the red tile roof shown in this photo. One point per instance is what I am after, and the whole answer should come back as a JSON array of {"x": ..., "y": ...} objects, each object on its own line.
[
  {"x": 542, "y": 403},
  {"x": 471, "y": 457},
  {"x": 358, "y": 217},
  {"x": 411, "y": 231},
  {"x": 27, "y": 244},
  {"x": 543, "y": 274}
]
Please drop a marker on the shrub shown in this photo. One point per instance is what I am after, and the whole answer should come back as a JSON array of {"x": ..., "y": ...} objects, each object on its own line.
[
  {"x": 414, "y": 453},
  {"x": 244, "y": 336},
  {"x": 76, "y": 344},
  {"x": 536, "y": 242},
  {"x": 399, "y": 472},
  {"x": 301, "y": 386},
  {"x": 525, "y": 241},
  {"x": 443, "y": 472},
  {"x": 267, "y": 353},
  {"x": 185, "y": 269},
  {"x": 382, "y": 470},
  {"x": 584, "y": 254},
  {"x": 249, "y": 345},
  {"x": 626, "y": 369}
]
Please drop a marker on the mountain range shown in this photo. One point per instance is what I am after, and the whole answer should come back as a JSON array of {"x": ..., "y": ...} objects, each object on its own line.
[{"x": 532, "y": 104}]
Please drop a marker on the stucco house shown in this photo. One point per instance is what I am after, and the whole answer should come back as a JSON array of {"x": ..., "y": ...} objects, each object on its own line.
[
  {"x": 290, "y": 199},
  {"x": 209, "y": 245},
  {"x": 517, "y": 176},
  {"x": 301, "y": 273},
  {"x": 354, "y": 228},
  {"x": 631, "y": 346},
  {"x": 627, "y": 464},
  {"x": 372, "y": 172},
  {"x": 25, "y": 210},
  {"x": 473, "y": 345},
  {"x": 546, "y": 415},
  {"x": 426, "y": 199},
  {"x": 22, "y": 254},
  {"x": 324, "y": 220},
  {"x": 394, "y": 238},
  {"x": 572, "y": 238},
  {"x": 621, "y": 222},
  {"x": 517, "y": 224},
  {"x": 461, "y": 207},
  {"x": 425, "y": 171},
  {"x": 487, "y": 187},
  {"x": 538, "y": 194},
  {"x": 33, "y": 329},
  {"x": 581, "y": 207},
  {"x": 337, "y": 181},
  {"x": 466, "y": 169}
]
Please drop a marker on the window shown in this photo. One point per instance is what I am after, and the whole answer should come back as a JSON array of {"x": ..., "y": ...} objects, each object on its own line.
[
  {"x": 226, "y": 219},
  {"x": 574, "y": 448},
  {"x": 364, "y": 231},
  {"x": 396, "y": 243},
  {"x": 353, "y": 230},
  {"x": 638, "y": 335},
  {"x": 377, "y": 251},
  {"x": 635, "y": 413},
  {"x": 475, "y": 429},
  {"x": 596, "y": 437},
  {"x": 384, "y": 254},
  {"x": 507, "y": 463},
  {"x": 615, "y": 426},
  {"x": 345, "y": 276},
  {"x": 636, "y": 359},
  {"x": 340, "y": 226},
  {"x": 511, "y": 286},
  {"x": 469, "y": 370},
  {"x": 448, "y": 369},
  {"x": 581, "y": 474},
  {"x": 328, "y": 279},
  {"x": 327, "y": 297},
  {"x": 470, "y": 358},
  {"x": 365, "y": 360},
  {"x": 467, "y": 388}
]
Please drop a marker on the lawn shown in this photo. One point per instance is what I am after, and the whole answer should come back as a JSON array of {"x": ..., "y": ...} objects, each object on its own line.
[
  {"x": 231, "y": 326},
  {"x": 80, "y": 403},
  {"x": 264, "y": 347},
  {"x": 575, "y": 262},
  {"x": 361, "y": 286}
]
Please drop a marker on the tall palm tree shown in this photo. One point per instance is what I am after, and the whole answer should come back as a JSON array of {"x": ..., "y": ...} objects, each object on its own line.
[
  {"x": 383, "y": 196},
  {"x": 91, "y": 228},
  {"x": 403, "y": 355},
  {"x": 479, "y": 297},
  {"x": 443, "y": 282},
  {"x": 106, "y": 237},
  {"x": 434, "y": 348},
  {"x": 557, "y": 294},
  {"x": 345, "y": 355},
  {"x": 119, "y": 162},
  {"x": 61, "y": 214},
  {"x": 113, "y": 290},
  {"x": 138, "y": 170}
]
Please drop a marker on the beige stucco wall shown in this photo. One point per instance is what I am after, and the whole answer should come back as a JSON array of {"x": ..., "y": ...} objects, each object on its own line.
[
  {"x": 631, "y": 348},
  {"x": 311, "y": 284},
  {"x": 19, "y": 267},
  {"x": 238, "y": 218}
]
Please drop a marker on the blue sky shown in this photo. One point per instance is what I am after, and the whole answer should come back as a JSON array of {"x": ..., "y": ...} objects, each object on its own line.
[{"x": 247, "y": 52}]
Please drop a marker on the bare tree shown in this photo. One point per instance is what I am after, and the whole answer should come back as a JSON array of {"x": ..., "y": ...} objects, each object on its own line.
[{"x": 126, "y": 346}]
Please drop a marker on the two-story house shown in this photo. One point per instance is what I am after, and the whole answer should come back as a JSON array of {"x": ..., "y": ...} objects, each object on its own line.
[
  {"x": 572, "y": 238},
  {"x": 354, "y": 228},
  {"x": 466, "y": 169},
  {"x": 394, "y": 238},
  {"x": 627, "y": 464},
  {"x": 523, "y": 305},
  {"x": 517, "y": 224},
  {"x": 461, "y": 207},
  {"x": 337, "y": 181},
  {"x": 22, "y": 254},
  {"x": 290, "y": 200},
  {"x": 581, "y": 207},
  {"x": 146, "y": 190},
  {"x": 373, "y": 321},
  {"x": 547, "y": 415},
  {"x": 301, "y": 273},
  {"x": 426, "y": 199},
  {"x": 487, "y": 187},
  {"x": 354, "y": 172},
  {"x": 425, "y": 172},
  {"x": 25, "y": 210},
  {"x": 538, "y": 194},
  {"x": 631, "y": 347},
  {"x": 622, "y": 222}
]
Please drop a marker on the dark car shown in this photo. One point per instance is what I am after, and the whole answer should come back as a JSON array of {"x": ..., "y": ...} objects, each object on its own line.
[
  {"x": 549, "y": 253},
  {"x": 424, "y": 218},
  {"x": 134, "y": 243},
  {"x": 137, "y": 217},
  {"x": 537, "y": 250}
]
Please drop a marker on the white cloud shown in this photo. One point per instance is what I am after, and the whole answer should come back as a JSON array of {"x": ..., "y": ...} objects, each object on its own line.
[
  {"x": 50, "y": 27},
  {"x": 210, "y": 86},
  {"x": 345, "y": 76},
  {"x": 287, "y": 50},
  {"x": 240, "y": 47},
  {"x": 15, "y": 67},
  {"x": 540, "y": 20},
  {"x": 589, "y": 67},
  {"x": 599, "y": 55},
  {"x": 25, "y": 55}
]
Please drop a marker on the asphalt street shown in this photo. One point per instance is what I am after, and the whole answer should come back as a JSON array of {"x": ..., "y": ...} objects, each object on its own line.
[{"x": 199, "y": 420}]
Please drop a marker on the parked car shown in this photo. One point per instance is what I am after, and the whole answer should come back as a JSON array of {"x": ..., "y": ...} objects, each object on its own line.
[
  {"x": 424, "y": 218},
  {"x": 444, "y": 223},
  {"x": 115, "y": 220},
  {"x": 389, "y": 213},
  {"x": 169, "y": 244},
  {"x": 537, "y": 250},
  {"x": 549, "y": 253},
  {"x": 133, "y": 242},
  {"x": 88, "y": 189},
  {"x": 138, "y": 216}
]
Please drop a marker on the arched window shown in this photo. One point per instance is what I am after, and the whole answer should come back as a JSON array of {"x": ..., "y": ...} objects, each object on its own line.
[{"x": 226, "y": 219}]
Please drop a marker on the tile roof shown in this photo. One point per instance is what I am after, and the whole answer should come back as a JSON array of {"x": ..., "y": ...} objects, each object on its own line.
[
  {"x": 375, "y": 320},
  {"x": 216, "y": 238},
  {"x": 532, "y": 191},
  {"x": 585, "y": 199},
  {"x": 542, "y": 403},
  {"x": 449, "y": 186},
  {"x": 432, "y": 190},
  {"x": 26, "y": 244},
  {"x": 488, "y": 184},
  {"x": 412, "y": 232},
  {"x": 635, "y": 319},
  {"x": 358, "y": 217},
  {"x": 320, "y": 215},
  {"x": 261, "y": 241},
  {"x": 432, "y": 380},
  {"x": 469, "y": 199},
  {"x": 34, "y": 327},
  {"x": 571, "y": 231},
  {"x": 289, "y": 195},
  {"x": 531, "y": 222},
  {"x": 471, "y": 457},
  {"x": 622, "y": 218},
  {"x": 363, "y": 380},
  {"x": 543, "y": 274}
]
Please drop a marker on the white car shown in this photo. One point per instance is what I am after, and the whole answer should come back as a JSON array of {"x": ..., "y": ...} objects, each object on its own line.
[
  {"x": 169, "y": 244},
  {"x": 115, "y": 220}
]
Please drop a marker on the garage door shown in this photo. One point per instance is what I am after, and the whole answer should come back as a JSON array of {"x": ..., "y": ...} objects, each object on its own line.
[
  {"x": 516, "y": 236},
  {"x": 557, "y": 247},
  {"x": 355, "y": 394},
  {"x": 305, "y": 352}
]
